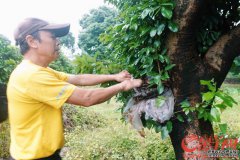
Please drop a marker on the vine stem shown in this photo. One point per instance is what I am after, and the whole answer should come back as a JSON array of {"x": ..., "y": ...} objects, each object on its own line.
[{"x": 159, "y": 69}]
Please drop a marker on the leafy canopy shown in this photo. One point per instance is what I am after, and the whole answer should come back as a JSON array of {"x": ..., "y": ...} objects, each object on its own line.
[
  {"x": 68, "y": 41},
  {"x": 94, "y": 24},
  {"x": 9, "y": 58}
]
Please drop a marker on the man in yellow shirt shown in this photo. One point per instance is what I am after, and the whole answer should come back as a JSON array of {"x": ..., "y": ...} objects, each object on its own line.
[{"x": 36, "y": 92}]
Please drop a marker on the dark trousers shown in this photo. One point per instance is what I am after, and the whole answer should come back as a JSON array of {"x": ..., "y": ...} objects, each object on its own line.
[{"x": 54, "y": 156}]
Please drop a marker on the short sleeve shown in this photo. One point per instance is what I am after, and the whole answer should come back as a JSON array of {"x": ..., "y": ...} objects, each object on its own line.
[
  {"x": 60, "y": 75},
  {"x": 49, "y": 87}
]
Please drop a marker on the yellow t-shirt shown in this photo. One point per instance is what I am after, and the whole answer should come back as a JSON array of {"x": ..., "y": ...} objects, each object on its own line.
[{"x": 35, "y": 96}]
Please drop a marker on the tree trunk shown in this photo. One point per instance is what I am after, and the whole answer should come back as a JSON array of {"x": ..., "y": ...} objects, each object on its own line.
[
  {"x": 3, "y": 103},
  {"x": 190, "y": 69}
]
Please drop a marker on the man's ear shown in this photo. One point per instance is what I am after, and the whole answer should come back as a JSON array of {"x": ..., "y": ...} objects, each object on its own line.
[{"x": 32, "y": 43}]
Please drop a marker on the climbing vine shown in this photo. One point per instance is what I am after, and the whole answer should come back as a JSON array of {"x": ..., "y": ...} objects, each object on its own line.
[{"x": 140, "y": 43}]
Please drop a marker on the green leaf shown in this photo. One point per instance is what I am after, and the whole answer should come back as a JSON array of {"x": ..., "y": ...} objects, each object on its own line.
[
  {"x": 160, "y": 29},
  {"x": 208, "y": 96},
  {"x": 223, "y": 128},
  {"x": 173, "y": 26},
  {"x": 215, "y": 113},
  {"x": 153, "y": 32},
  {"x": 205, "y": 116},
  {"x": 228, "y": 100},
  {"x": 169, "y": 126},
  {"x": 160, "y": 101},
  {"x": 168, "y": 67},
  {"x": 167, "y": 13},
  {"x": 185, "y": 104},
  {"x": 145, "y": 13},
  {"x": 157, "y": 79},
  {"x": 187, "y": 111},
  {"x": 165, "y": 76},
  {"x": 160, "y": 89},
  {"x": 200, "y": 115},
  {"x": 220, "y": 106},
  {"x": 157, "y": 44},
  {"x": 161, "y": 58},
  {"x": 164, "y": 132},
  {"x": 167, "y": 4},
  {"x": 158, "y": 129},
  {"x": 209, "y": 83},
  {"x": 180, "y": 118},
  {"x": 135, "y": 26}
]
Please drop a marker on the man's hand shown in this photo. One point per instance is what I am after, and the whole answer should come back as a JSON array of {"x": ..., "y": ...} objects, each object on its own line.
[
  {"x": 122, "y": 76},
  {"x": 130, "y": 84}
]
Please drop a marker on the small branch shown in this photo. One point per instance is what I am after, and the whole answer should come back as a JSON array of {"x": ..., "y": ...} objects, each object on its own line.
[{"x": 159, "y": 68}]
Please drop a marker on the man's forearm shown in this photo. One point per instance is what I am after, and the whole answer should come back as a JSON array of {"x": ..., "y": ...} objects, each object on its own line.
[
  {"x": 88, "y": 97},
  {"x": 90, "y": 79},
  {"x": 104, "y": 94}
]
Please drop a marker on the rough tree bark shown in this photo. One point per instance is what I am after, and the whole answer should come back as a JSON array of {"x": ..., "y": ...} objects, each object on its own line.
[{"x": 191, "y": 68}]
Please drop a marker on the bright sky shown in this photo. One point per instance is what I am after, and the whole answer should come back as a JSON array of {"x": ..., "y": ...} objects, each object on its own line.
[{"x": 57, "y": 11}]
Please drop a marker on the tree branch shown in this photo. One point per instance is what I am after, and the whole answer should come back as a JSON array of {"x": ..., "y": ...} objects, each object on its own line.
[{"x": 219, "y": 58}]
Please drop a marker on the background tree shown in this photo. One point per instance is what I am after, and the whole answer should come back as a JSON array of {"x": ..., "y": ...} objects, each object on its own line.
[
  {"x": 9, "y": 58},
  {"x": 68, "y": 41},
  {"x": 180, "y": 43},
  {"x": 63, "y": 63},
  {"x": 93, "y": 24}
]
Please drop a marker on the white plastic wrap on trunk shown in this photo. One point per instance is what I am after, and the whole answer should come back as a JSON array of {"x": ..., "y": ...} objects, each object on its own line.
[{"x": 162, "y": 113}]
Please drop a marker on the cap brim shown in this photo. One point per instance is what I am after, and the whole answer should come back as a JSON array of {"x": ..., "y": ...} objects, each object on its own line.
[{"x": 59, "y": 30}]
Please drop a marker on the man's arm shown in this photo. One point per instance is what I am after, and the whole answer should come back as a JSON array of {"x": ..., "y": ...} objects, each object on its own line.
[
  {"x": 89, "y": 97},
  {"x": 94, "y": 79}
]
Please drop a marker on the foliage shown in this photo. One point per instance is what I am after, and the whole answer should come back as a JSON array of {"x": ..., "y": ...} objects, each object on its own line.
[
  {"x": 93, "y": 24},
  {"x": 213, "y": 103},
  {"x": 221, "y": 18},
  {"x": 236, "y": 67},
  {"x": 68, "y": 41},
  {"x": 89, "y": 64},
  {"x": 138, "y": 40},
  {"x": 218, "y": 20},
  {"x": 9, "y": 58},
  {"x": 62, "y": 64}
]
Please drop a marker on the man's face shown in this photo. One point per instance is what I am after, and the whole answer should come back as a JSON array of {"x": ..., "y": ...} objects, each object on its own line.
[{"x": 48, "y": 46}]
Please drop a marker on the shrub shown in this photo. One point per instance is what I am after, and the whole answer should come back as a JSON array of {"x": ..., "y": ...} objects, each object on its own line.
[{"x": 76, "y": 116}]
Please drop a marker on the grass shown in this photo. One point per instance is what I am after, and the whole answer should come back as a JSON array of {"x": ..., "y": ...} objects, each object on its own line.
[
  {"x": 231, "y": 115},
  {"x": 115, "y": 140},
  {"x": 4, "y": 139}
]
